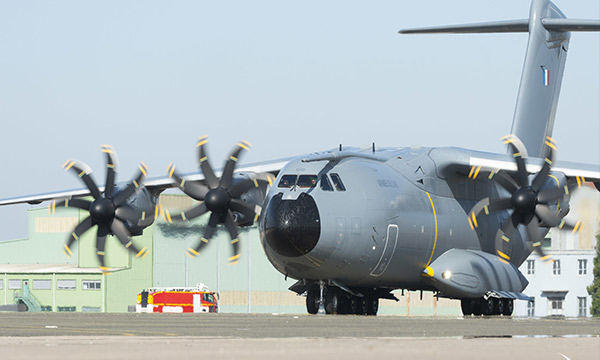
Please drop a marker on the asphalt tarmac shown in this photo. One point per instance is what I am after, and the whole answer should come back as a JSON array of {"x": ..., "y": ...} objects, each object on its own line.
[{"x": 272, "y": 336}]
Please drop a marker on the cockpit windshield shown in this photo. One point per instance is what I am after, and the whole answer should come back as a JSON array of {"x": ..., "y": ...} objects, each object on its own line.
[
  {"x": 287, "y": 181},
  {"x": 307, "y": 181}
]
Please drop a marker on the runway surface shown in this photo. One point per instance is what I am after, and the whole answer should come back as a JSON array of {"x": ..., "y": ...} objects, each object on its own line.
[{"x": 261, "y": 336}]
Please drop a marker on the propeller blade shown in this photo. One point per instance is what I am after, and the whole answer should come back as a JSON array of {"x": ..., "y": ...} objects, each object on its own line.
[
  {"x": 129, "y": 214},
  {"x": 547, "y": 195},
  {"x": 507, "y": 182},
  {"x": 534, "y": 237},
  {"x": 243, "y": 186},
  {"x": 209, "y": 174},
  {"x": 103, "y": 231},
  {"x": 82, "y": 227},
  {"x": 503, "y": 238},
  {"x": 120, "y": 231},
  {"x": 111, "y": 168},
  {"x": 75, "y": 203},
  {"x": 194, "y": 190},
  {"x": 131, "y": 188},
  {"x": 546, "y": 215},
  {"x": 235, "y": 241},
  {"x": 521, "y": 168},
  {"x": 239, "y": 206},
  {"x": 541, "y": 177},
  {"x": 83, "y": 171},
  {"x": 227, "y": 176},
  {"x": 194, "y": 212},
  {"x": 209, "y": 231}
]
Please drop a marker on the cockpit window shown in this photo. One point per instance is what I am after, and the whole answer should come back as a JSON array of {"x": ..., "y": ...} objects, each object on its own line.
[
  {"x": 287, "y": 181},
  {"x": 307, "y": 181},
  {"x": 325, "y": 184},
  {"x": 337, "y": 182}
]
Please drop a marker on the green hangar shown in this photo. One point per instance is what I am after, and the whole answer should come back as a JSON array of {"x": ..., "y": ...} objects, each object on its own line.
[{"x": 37, "y": 275}]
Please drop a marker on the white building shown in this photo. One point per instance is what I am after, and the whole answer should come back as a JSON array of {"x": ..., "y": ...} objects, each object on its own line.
[{"x": 559, "y": 287}]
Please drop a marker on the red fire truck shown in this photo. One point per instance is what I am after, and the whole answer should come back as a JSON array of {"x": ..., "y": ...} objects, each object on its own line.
[{"x": 178, "y": 300}]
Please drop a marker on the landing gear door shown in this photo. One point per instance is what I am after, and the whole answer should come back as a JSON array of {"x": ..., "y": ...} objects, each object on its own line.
[{"x": 388, "y": 250}]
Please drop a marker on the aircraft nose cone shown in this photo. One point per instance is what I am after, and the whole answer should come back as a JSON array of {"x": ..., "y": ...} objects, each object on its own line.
[{"x": 292, "y": 227}]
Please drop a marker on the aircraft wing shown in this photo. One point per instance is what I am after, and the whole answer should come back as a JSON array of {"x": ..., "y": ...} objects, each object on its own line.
[
  {"x": 452, "y": 162},
  {"x": 155, "y": 185}
]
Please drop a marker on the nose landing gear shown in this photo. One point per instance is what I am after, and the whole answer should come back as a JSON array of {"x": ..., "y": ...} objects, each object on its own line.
[{"x": 337, "y": 301}]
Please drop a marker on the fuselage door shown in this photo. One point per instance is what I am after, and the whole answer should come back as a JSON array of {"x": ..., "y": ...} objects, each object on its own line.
[{"x": 388, "y": 250}]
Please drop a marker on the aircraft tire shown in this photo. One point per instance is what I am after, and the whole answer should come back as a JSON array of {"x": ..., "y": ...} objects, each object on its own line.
[
  {"x": 372, "y": 305},
  {"x": 467, "y": 306},
  {"x": 508, "y": 307},
  {"x": 500, "y": 304},
  {"x": 354, "y": 305},
  {"x": 332, "y": 301},
  {"x": 477, "y": 307},
  {"x": 363, "y": 306},
  {"x": 487, "y": 306},
  {"x": 312, "y": 301}
]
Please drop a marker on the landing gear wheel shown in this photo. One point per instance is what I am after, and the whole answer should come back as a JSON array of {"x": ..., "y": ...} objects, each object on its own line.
[
  {"x": 372, "y": 305},
  {"x": 354, "y": 305},
  {"x": 477, "y": 306},
  {"x": 312, "y": 301},
  {"x": 363, "y": 306},
  {"x": 487, "y": 306},
  {"x": 500, "y": 306},
  {"x": 508, "y": 307},
  {"x": 332, "y": 301},
  {"x": 467, "y": 306}
]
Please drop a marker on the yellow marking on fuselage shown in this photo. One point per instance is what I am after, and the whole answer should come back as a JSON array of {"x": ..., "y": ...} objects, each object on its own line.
[{"x": 436, "y": 229}]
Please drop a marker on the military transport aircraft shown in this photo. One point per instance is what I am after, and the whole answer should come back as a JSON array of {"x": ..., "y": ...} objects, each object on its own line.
[{"x": 353, "y": 225}]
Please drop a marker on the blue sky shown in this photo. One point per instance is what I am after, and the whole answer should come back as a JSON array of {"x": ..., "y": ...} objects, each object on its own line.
[{"x": 149, "y": 77}]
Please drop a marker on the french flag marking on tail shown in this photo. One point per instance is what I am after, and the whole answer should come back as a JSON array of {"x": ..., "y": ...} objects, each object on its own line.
[{"x": 545, "y": 76}]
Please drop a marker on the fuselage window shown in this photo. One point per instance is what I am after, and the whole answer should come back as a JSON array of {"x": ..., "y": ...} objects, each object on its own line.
[
  {"x": 287, "y": 181},
  {"x": 325, "y": 184},
  {"x": 337, "y": 182},
  {"x": 307, "y": 181}
]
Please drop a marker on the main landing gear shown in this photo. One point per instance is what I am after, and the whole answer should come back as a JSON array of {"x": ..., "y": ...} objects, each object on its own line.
[
  {"x": 487, "y": 307},
  {"x": 337, "y": 301}
]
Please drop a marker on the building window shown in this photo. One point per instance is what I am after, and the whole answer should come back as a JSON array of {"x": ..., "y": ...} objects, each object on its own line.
[
  {"x": 65, "y": 308},
  {"x": 90, "y": 284},
  {"x": 42, "y": 284},
  {"x": 556, "y": 267},
  {"x": 582, "y": 301},
  {"x": 531, "y": 307},
  {"x": 65, "y": 285},
  {"x": 46, "y": 308},
  {"x": 14, "y": 284},
  {"x": 90, "y": 309},
  {"x": 555, "y": 305},
  {"x": 582, "y": 266},
  {"x": 530, "y": 267}
]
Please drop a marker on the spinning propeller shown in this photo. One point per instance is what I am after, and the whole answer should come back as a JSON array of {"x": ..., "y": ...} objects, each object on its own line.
[
  {"x": 221, "y": 197},
  {"x": 108, "y": 211},
  {"x": 528, "y": 201}
]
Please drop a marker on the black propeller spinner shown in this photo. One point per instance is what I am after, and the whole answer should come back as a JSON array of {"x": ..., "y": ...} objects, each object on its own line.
[
  {"x": 108, "y": 211},
  {"x": 220, "y": 197},
  {"x": 528, "y": 202}
]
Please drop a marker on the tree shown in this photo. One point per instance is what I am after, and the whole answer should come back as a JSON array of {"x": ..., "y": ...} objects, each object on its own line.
[{"x": 594, "y": 288}]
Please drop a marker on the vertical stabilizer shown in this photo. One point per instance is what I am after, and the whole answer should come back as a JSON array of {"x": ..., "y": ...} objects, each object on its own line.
[
  {"x": 549, "y": 34},
  {"x": 541, "y": 79}
]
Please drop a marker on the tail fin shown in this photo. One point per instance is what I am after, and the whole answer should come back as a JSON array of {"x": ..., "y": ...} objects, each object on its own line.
[{"x": 549, "y": 34}]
